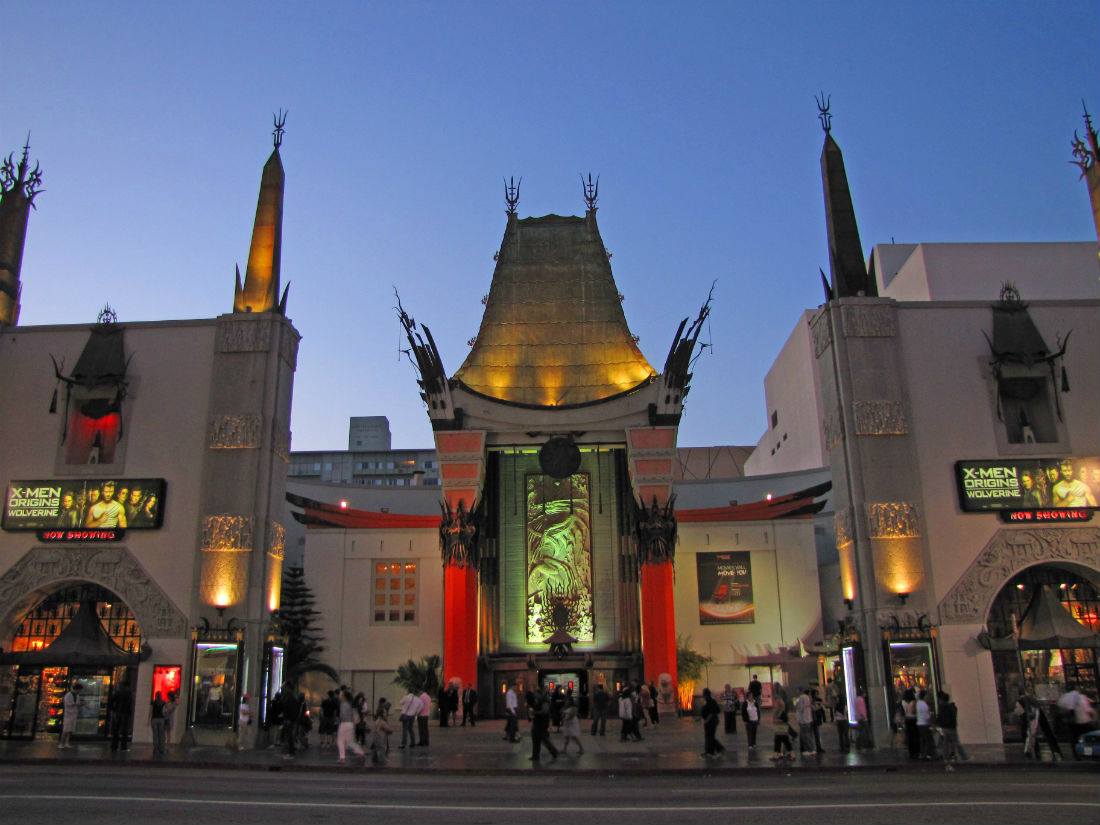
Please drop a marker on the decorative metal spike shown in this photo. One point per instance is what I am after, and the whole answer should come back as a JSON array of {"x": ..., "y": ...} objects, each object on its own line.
[
  {"x": 511, "y": 194},
  {"x": 280, "y": 127},
  {"x": 823, "y": 103},
  {"x": 591, "y": 191},
  {"x": 53, "y": 402},
  {"x": 1065, "y": 379}
]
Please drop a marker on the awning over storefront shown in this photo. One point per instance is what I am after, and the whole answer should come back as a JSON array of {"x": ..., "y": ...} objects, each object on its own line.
[
  {"x": 1046, "y": 625},
  {"x": 83, "y": 642}
]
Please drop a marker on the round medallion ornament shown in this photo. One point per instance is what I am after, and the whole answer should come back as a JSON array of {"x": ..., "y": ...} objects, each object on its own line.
[{"x": 560, "y": 457}]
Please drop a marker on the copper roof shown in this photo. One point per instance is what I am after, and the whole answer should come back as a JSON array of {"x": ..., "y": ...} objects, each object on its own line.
[{"x": 553, "y": 333}]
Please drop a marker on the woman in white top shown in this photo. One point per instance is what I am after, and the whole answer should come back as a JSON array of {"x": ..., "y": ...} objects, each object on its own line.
[{"x": 345, "y": 730}]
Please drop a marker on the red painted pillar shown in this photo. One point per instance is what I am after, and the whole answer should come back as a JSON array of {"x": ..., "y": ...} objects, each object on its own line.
[
  {"x": 658, "y": 622},
  {"x": 460, "y": 616}
]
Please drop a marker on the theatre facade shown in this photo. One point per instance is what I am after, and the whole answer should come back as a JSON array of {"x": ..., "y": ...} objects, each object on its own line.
[{"x": 144, "y": 469}]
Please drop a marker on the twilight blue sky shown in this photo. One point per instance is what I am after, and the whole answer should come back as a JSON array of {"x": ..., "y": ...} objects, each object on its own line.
[{"x": 152, "y": 122}]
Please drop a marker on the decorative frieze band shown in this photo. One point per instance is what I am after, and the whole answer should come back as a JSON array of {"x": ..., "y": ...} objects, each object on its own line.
[
  {"x": 234, "y": 432},
  {"x": 227, "y": 533},
  {"x": 869, "y": 322},
  {"x": 244, "y": 336},
  {"x": 892, "y": 520},
  {"x": 1007, "y": 553},
  {"x": 880, "y": 418}
]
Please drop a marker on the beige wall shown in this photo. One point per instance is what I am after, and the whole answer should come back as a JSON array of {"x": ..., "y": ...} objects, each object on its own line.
[{"x": 785, "y": 591}]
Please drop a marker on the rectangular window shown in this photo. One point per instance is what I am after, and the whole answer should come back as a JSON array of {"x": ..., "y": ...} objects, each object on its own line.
[{"x": 395, "y": 592}]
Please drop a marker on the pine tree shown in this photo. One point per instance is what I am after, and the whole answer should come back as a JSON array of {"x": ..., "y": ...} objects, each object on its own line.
[{"x": 297, "y": 620}]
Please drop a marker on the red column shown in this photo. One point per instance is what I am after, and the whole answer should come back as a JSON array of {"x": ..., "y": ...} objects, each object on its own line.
[
  {"x": 658, "y": 622},
  {"x": 460, "y": 630}
]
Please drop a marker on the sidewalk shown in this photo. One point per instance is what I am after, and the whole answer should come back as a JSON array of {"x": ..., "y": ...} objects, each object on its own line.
[{"x": 674, "y": 746}]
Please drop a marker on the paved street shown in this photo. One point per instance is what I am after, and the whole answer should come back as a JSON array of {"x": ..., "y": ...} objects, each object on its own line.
[{"x": 99, "y": 794}]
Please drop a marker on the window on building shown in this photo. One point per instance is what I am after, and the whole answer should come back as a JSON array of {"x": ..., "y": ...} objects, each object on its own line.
[
  {"x": 395, "y": 592},
  {"x": 428, "y": 465}
]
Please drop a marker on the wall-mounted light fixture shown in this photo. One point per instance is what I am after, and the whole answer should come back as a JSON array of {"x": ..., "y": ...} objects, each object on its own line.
[
  {"x": 902, "y": 597},
  {"x": 849, "y": 602}
]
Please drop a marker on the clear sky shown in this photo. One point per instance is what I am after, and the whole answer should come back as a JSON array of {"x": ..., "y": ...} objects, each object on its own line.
[{"x": 152, "y": 123}]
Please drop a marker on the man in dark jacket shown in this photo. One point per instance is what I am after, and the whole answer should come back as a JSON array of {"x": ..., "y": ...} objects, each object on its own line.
[
  {"x": 540, "y": 726},
  {"x": 121, "y": 709},
  {"x": 292, "y": 709},
  {"x": 469, "y": 706},
  {"x": 600, "y": 700}
]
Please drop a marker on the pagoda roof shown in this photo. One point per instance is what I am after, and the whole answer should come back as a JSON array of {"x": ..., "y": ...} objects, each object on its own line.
[{"x": 553, "y": 333}]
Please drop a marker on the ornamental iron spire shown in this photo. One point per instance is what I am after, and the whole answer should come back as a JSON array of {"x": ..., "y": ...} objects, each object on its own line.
[
  {"x": 1086, "y": 157},
  {"x": 280, "y": 127},
  {"x": 823, "y": 114}
]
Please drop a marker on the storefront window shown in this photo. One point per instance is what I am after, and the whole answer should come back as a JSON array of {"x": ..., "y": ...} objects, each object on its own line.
[
  {"x": 45, "y": 622},
  {"x": 214, "y": 691}
]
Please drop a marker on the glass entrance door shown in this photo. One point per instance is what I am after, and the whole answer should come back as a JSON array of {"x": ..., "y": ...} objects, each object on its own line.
[{"x": 95, "y": 691}]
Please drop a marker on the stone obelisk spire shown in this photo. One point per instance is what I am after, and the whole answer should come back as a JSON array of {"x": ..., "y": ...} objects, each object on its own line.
[
  {"x": 19, "y": 184},
  {"x": 260, "y": 291}
]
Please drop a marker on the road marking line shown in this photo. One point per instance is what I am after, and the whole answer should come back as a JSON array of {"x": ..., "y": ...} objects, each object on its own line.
[{"x": 405, "y": 806}]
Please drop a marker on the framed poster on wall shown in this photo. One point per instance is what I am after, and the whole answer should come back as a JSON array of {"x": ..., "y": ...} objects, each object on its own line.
[{"x": 725, "y": 588}]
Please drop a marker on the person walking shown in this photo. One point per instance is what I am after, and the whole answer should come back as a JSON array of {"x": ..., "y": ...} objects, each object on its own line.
[
  {"x": 156, "y": 721},
  {"x": 452, "y": 703},
  {"x": 729, "y": 709},
  {"x": 750, "y": 714},
  {"x": 819, "y": 718},
  {"x": 363, "y": 716},
  {"x": 925, "y": 741},
  {"x": 571, "y": 726},
  {"x": 171, "y": 705},
  {"x": 291, "y": 709},
  {"x": 804, "y": 716},
  {"x": 330, "y": 711},
  {"x": 654, "y": 710},
  {"x": 909, "y": 722},
  {"x": 511, "y": 715},
  {"x": 346, "y": 717},
  {"x": 1081, "y": 715},
  {"x": 540, "y": 726},
  {"x": 423, "y": 717},
  {"x": 636, "y": 707},
  {"x": 70, "y": 712},
  {"x": 645, "y": 703},
  {"x": 948, "y": 721},
  {"x": 441, "y": 703},
  {"x": 121, "y": 710},
  {"x": 410, "y": 709},
  {"x": 781, "y": 720},
  {"x": 863, "y": 734},
  {"x": 711, "y": 712},
  {"x": 244, "y": 724},
  {"x": 469, "y": 706},
  {"x": 840, "y": 717},
  {"x": 380, "y": 734},
  {"x": 756, "y": 689},
  {"x": 600, "y": 700}
]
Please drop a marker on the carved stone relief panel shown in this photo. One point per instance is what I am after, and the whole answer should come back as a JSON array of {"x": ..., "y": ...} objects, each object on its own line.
[
  {"x": 834, "y": 429},
  {"x": 276, "y": 545},
  {"x": 892, "y": 520},
  {"x": 880, "y": 418},
  {"x": 842, "y": 523},
  {"x": 280, "y": 443},
  {"x": 227, "y": 532},
  {"x": 822, "y": 333},
  {"x": 869, "y": 322},
  {"x": 1008, "y": 552},
  {"x": 43, "y": 569},
  {"x": 244, "y": 336},
  {"x": 234, "y": 432}
]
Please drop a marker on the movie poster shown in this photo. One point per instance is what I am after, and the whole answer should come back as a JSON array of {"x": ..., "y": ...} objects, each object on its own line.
[
  {"x": 559, "y": 558},
  {"x": 1028, "y": 484},
  {"x": 725, "y": 588},
  {"x": 100, "y": 503}
]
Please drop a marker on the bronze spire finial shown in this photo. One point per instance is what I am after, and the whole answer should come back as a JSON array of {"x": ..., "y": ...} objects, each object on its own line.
[
  {"x": 19, "y": 175},
  {"x": 280, "y": 127},
  {"x": 1085, "y": 154},
  {"x": 511, "y": 194},
  {"x": 591, "y": 191},
  {"x": 823, "y": 114}
]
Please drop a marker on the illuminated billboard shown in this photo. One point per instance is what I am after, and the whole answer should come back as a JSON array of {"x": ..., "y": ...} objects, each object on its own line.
[
  {"x": 559, "y": 558},
  {"x": 81, "y": 506},
  {"x": 725, "y": 588},
  {"x": 1029, "y": 484}
]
